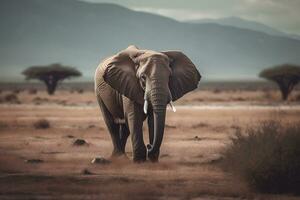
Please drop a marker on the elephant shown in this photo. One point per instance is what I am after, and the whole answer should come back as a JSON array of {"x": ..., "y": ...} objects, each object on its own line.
[{"x": 135, "y": 85}]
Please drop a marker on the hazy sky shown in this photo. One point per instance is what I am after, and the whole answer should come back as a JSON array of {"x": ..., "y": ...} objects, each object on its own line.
[{"x": 281, "y": 14}]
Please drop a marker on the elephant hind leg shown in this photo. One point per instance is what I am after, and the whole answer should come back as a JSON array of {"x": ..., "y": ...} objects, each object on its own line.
[{"x": 113, "y": 128}]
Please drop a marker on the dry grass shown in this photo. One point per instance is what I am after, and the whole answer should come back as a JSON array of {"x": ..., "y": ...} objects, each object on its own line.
[
  {"x": 267, "y": 157},
  {"x": 187, "y": 169}
]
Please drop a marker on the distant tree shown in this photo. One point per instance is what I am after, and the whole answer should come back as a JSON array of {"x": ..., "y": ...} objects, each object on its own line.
[
  {"x": 51, "y": 74},
  {"x": 286, "y": 76}
]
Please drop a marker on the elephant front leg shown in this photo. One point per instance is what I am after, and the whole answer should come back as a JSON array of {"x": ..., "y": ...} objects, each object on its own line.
[{"x": 135, "y": 117}]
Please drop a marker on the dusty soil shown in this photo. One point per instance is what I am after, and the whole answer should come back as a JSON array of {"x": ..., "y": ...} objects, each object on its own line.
[{"x": 188, "y": 168}]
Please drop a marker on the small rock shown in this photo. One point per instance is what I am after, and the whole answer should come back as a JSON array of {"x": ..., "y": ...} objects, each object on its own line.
[
  {"x": 70, "y": 136},
  {"x": 87, "y": 172},
  {"x": 80, "y": 142},
  {"x": 197, "y": 138},
  {"x": 100, "y": 160},
  {"x": 34, "y": 161},
  {"x": 91, "y": 126}
]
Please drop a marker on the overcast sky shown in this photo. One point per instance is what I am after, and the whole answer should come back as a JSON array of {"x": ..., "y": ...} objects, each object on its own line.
[{"x": 281, "y": 14}]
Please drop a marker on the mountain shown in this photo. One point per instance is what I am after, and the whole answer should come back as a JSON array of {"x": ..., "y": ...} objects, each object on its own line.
[
  {"x": 245, "y": 24},
  {"x": 80, "y": 34}
]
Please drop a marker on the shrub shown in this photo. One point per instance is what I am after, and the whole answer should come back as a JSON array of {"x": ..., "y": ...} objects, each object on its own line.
[
  {"x": 16, "y": 91},
  {"x": 286, "y": 76},
  {"x": 41, "y": 124},
  {"x": 80, "y": 91},
  {"x": 267, "y": 157},
  {"x": 216, "y": 91},
  {"x": 297, "y": 97},
  {"x": 3, "y": 125},
  {"x": 51, "y": 74},
  {"x": 11, "y": 98},
  {"x": 32, "y": 91}
]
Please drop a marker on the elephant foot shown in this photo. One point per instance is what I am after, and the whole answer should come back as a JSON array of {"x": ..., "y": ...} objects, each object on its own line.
[
  {"x": 140, "y": 155},
  {"x": 139, "y": 160},
  {"x": 116, "y": 154},
  {"x": 153, "y": 157},
  {"x": 119, "y": 157}
]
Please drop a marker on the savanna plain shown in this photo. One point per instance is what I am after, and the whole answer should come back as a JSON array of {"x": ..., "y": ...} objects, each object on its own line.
[{"x": 39, "y": 158}]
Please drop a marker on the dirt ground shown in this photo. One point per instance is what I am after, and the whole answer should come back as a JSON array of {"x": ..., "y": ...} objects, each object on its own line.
[{"x": 188, "y": 169}]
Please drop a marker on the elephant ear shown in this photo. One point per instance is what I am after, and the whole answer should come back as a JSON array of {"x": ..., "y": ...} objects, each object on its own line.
[
  {"x": 185, "y": 76},
  {"x": 120, "y": 74}
]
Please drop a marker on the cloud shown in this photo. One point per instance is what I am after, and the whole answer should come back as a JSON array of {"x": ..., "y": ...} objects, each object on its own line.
[
  {"x": 180, "y": 14},
  {"x": 281, "y": 14}
]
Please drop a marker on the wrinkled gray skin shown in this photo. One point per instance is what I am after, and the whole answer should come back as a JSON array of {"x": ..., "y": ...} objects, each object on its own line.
[{"x": 123, "y": 84}]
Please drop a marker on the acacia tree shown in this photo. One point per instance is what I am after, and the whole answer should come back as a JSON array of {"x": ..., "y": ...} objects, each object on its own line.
[
  {"x": 286, "y": 76},
  {"x": 51, "y": 74}
]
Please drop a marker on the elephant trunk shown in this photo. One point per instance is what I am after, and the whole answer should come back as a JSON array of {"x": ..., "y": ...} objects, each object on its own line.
[
  {"x": 159, "y": 126},
  {"x": 159, "y": 99}
]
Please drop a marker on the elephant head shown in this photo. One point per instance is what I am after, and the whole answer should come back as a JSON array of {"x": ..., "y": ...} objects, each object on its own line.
[{"x": 152, "y": 79}]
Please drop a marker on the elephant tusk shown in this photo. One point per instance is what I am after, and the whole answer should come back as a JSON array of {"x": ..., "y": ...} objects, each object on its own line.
[
  {"x": 145, "y": 106},
  {"x": 172, "y": 106},
  {"x": 149, "y": 146}
]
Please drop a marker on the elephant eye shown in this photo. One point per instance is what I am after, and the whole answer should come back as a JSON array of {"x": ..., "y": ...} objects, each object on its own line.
[
  {"x": 143, "y": 77},
  {"x": 143, "y": 80}
]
